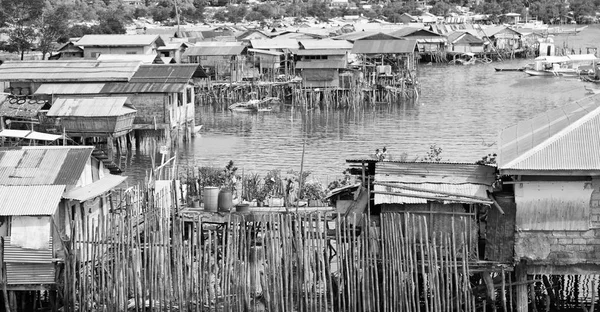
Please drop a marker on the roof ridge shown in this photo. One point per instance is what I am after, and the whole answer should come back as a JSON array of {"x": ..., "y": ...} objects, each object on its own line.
[{"x": 560, "y": 134}]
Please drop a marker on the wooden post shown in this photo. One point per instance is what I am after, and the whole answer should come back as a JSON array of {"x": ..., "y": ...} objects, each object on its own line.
[{"x": 521, "y": 288}]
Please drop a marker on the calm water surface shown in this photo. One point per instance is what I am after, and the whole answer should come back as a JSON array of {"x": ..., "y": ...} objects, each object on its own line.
[{"x": 461, "y": 109}]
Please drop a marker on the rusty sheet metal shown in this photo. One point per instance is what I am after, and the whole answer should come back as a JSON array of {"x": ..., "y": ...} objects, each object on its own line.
[
  {"x": 321, "y": 64},
  {"x": 68, "y": 71},
  {"x": 95, "y": 189},
  {"x": 558, "y": 139},
  {"x": 29, "y": 273},
  {"x": 142, "y": 87},
  {"x": 20, "y": 107},
  {"x": 16, "y": 254},
  {"x": 422, "y": 172},
  {"x": 43, "y": 165},
  {"x": 325, "y": 44},
  {"x": 30, "y": 200},
  {"x": 116, "y": 40},
  {"x": 171, "y": 73},
  {"x": 404, "y": 46},
  {"x": 69, "y": 88},
  {"x": 281, "y": 44},
  {"x": 214, "y": 51},
  {"x": 90, "y": 107},
  {"x": 463, "y": 189},
  {"x": 553, "y": 206}
]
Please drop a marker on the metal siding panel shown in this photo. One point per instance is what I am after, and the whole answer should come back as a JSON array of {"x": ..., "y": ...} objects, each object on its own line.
[
  {"x": 18, "y": 200},
  {"x": 422, "y": 172},
  {"x": 465, "y": 189},
  {"x": 16, "y": 254},
  {"x": 35, "y": 273}
]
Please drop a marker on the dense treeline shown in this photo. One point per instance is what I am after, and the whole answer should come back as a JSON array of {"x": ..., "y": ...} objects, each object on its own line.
[{"x": 41, "y": 23}]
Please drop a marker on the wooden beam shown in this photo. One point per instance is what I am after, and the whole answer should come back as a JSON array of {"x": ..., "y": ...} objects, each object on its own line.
[{"x": 460, "y": 200}]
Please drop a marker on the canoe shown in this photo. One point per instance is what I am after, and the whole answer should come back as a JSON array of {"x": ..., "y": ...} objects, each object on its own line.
[{"x": 508, "y": 69}]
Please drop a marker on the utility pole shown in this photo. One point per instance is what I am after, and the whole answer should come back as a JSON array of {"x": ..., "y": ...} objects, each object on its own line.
[{"x": 177, "y": 16}]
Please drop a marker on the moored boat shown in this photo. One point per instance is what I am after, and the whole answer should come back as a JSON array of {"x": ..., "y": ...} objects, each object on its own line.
[{"x": 254, "y": 106}]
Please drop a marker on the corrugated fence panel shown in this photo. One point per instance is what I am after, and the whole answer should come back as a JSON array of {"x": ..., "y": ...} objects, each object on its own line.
[
  {"x": 29, "y": 273},
  {"x": 16, "y": 255}
]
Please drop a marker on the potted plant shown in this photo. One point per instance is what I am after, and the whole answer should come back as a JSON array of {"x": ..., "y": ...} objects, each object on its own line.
[{"x": 314, "y": 192}]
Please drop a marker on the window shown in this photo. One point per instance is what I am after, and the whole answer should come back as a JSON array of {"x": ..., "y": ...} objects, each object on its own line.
[
  {"x": 189, "y": 95},
  {"x": 180, "y": 99}
]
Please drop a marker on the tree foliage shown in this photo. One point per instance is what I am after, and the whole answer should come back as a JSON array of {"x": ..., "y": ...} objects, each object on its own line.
[{"x": 53, "y": 25}]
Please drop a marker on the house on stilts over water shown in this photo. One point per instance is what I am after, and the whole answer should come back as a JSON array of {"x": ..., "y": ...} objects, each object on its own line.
[{"x": 551, "y": 171}]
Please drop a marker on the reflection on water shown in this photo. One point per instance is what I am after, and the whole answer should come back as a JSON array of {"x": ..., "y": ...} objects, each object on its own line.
[{"x": 461, "y": 109}]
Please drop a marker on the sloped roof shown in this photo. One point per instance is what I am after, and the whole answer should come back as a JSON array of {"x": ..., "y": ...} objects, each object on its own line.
[
  {"x": 69, "y": 88},
  {"x": 30, "y": 200},
  {"x": 144, "y": 58},
  {"x": 171, "y": 73},
  {"x": 43, "y": 165},
  {"x": 90, "y": 107},
  {"x": 415, "y": 180},
  {"x": 274, "y": 44},
  {"x": 414, "y": 32},
  {"x": 321, "y": 64},
  {"x": 320, "y": 52},
  {"x": 95, "y": 189},
  {"x": 214, "y": 50},
  {"x": 117, "y": 40},
  {"x": 71, "y": 70},
  {"x": 463, "y": 37},
  {"x": 20, "y": 107},
  {"x": 326, "y": 44},
  {"x": 565, "y": 138},
  {"x": 366, "y": 35},
  {"x": 384, "y": 46}
]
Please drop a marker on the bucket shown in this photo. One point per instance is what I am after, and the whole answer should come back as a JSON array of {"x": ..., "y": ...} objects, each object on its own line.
[
  {"x": 225, "y": 201},
  {"x": 211, "y": 198}
]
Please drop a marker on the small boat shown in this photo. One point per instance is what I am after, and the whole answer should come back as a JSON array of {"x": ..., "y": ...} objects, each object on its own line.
[
  {"x": 562, "y": 66},
  {"x": 255, "y": 106},
  {"x": 565, "y": 31},
  {"x": 509, "y": 69}
]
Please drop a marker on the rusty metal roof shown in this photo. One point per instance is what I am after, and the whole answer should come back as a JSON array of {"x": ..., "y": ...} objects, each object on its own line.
[
  {"x": 30, "y": 200},
  {"x": 65, "y": 71},
  {"x": 274, "y": 44},
  {"x": 384, "y": 46},
  {"x": 325, "y": 44},
  {"x": 214, "y": 50},
  {"x": 321, "y": 64},
  {"x": 172, "y": 73},
  {"x": 43, "y": 165},
  {"x": 142, "y": 87},
  {"x": 69, "y": 88},
  {"x": 90, "y": 107},
  {"x": 437, "y": 190},
  {"x": 20, "y": 107},
  {"x": 116, "y": 40},
  {"x": 560, "y": 139}
]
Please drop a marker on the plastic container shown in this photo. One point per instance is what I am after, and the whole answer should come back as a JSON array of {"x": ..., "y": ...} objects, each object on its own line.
[
  {"x": 211, "y": 198},
  {"x": 242, "y": 207},
  {"x": 225, "y": 201}
]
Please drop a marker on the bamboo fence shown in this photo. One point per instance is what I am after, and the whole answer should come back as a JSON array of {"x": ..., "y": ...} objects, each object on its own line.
[{"x": 146, "y": 257}]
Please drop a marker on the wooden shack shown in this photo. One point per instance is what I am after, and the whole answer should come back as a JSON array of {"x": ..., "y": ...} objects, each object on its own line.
[
  {"x": 222, "y": 61},
  {"x": 320, "y": 73},
  {"x": 553, "y": 174},
  {"x": 93, "y": 116},
  {"x": 44, "y": 191},
  {"x": 464, "y": 42}
]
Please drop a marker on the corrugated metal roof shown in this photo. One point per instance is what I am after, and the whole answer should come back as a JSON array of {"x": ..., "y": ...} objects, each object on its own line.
[
  {"x": 423, "y": 172},
  {"x": 559, "y": 139},
  {"x": 21, "y": 107},
  {"x": 321, "y": 64},
  {"x": 90, "y": 107},
  {"x": 468, "y": 189},
  {"x": 267, "y": 52},
  {"x": 144, "y": 58},
  {"x": 29, "y": 134},
  {"x": 171, "y": 73},
  {"x": 30, "y": 200},
  {"x": 142, "y": 87},
  {"x": 274, "y": 44},
  {"x": 17, "y": 254},
  {"x": 214, "y": 51},
  {"x": 64, "y": 71},
  {"x": 463, "y": 37},
  {"x": 366, "y": 35},
  {"x": 43, "y": 165},
  {"x": 95, "y": 189},
  {"x": 69, "y": 88},
  {"x": 320, "y": 52},
  {"x": 29, "y": 273},
  {"x": 326, "y": 44},
  {"x": 116, "y": 40},
  {"x": 415, "y": 33},
  {"x": 384, "y": 46}
]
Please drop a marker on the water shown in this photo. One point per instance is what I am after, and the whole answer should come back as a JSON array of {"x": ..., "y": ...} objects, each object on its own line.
[{"x": 461, "y": 109}]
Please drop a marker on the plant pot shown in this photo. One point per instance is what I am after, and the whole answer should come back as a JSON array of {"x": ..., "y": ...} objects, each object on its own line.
[
  {"x": 242, "y": 208},
  {"x": 225, "y": 201}
]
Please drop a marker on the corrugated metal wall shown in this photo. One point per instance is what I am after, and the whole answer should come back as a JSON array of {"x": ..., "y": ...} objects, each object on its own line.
[{"x": 28, "y": 266}]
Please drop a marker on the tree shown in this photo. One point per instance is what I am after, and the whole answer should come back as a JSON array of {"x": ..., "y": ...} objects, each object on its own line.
[
  {"x": 53, "y": 24},
  {"x": 581, "y": 8},
  {"x": 21, "y": 16},
  {"x": 112, "y": 21},
  {"x": 440, "y": 9}
]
